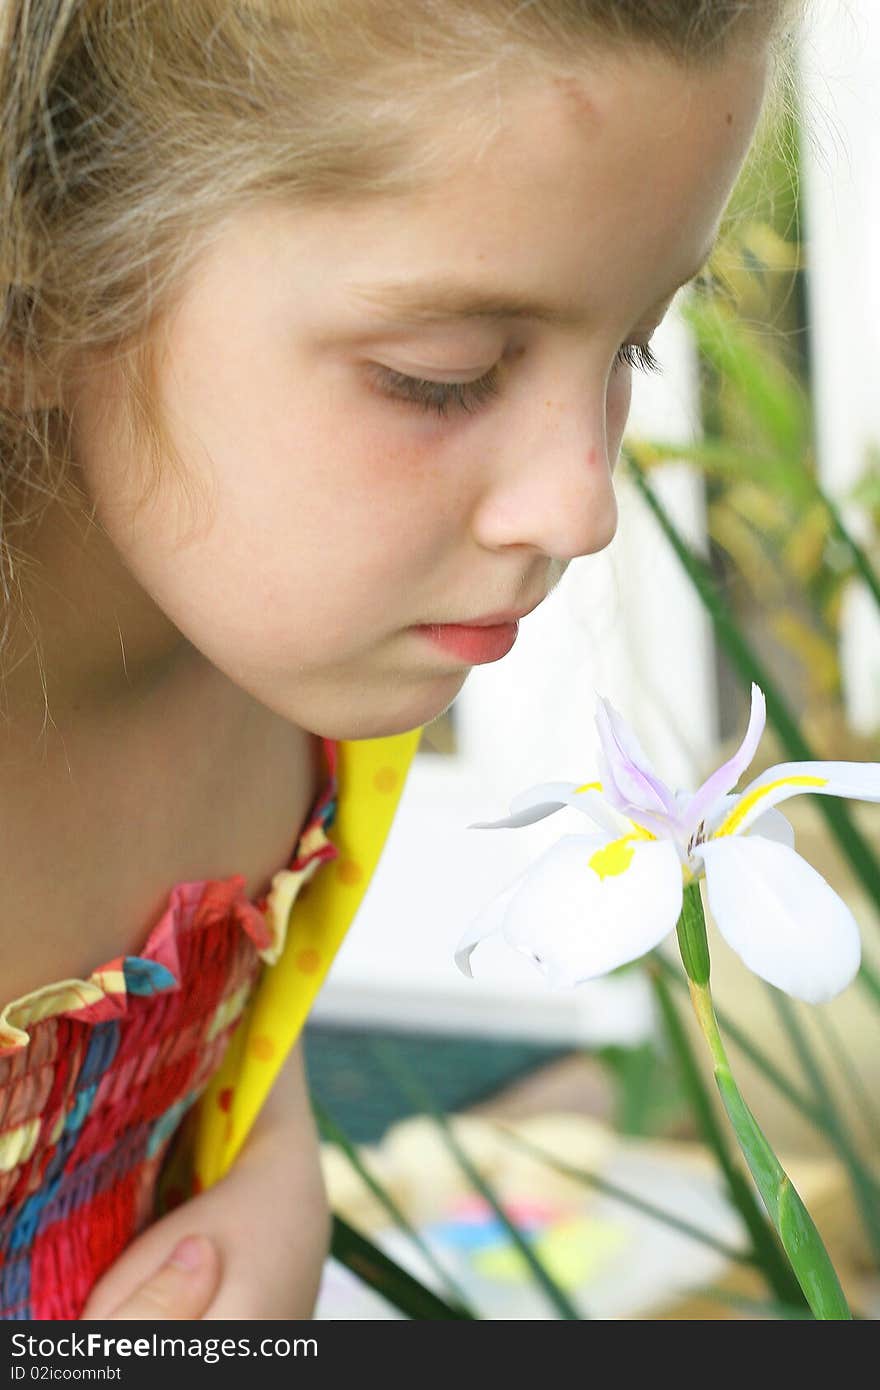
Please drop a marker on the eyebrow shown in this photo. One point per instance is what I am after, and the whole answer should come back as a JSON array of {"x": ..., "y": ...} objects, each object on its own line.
[{"x": 449, "y": 300}]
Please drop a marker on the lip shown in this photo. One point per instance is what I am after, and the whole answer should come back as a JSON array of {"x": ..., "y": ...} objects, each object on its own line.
[{"x": 471, "y": 644}]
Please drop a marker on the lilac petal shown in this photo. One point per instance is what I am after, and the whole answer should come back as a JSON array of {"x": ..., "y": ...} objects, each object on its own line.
[
  {"x": 661, "y": 827},
  {"x": 627, "y": 775},
  {"x": 726, "y": 777}
]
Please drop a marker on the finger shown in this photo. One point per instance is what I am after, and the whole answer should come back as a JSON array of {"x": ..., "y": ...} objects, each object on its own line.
[{"x": 181, "y": 1289}]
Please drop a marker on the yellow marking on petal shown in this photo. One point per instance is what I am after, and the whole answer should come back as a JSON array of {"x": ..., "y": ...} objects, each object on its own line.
[
  {"x": 615, "y": 857},
  {"x": 734, "y": 820},
  {"x": 589, "y": 787}
]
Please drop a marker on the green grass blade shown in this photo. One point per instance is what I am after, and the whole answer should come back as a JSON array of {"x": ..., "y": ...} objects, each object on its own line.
[
  {"x": 405, "y": 1079},
  {"x": 331, "y": 1132},
  {"x": 864, "y": 1100},
  {"x": 719, "y": 458},
  {"x": 800, "y": 1239},
  {"x": 864, "y": 1186},
  {"x": 770, "y": 397},
  {"x": 765, "y": 1246},
  {"x": 860, "y": 559},
  {"x": 746, "y": 662},
  {"x": 629, "y": 1199},
  {"x": 383, "y": 1274},
  {"x": 784, "y": 1085},
  {"x": 765, "y": 1308}
]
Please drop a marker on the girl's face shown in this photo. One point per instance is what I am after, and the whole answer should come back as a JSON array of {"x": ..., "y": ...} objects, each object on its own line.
[{"x": 345, "y": 505}]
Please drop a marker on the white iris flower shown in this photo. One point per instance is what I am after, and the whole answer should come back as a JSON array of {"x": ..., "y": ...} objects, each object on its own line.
[{"x": 593, "y": 902}]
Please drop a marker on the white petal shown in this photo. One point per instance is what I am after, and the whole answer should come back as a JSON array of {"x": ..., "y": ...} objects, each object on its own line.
[
  {"x": 781, "y": 917},
  {"x": 542, "y": 800},
  {"x": 773, "y": 825},
  {"x": 490, "y": 920},
  {"x": 578, "y": 916},
  {"x": 858, "y": 781}
]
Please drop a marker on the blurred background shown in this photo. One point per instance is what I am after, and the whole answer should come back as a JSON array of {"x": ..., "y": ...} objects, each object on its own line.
[{"x": 769, "y": 386}]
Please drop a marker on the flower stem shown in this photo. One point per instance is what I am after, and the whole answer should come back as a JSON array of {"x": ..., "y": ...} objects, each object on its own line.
[
  {"x": 801, "y": 1241},
  {"x": 691, "y": 932}
]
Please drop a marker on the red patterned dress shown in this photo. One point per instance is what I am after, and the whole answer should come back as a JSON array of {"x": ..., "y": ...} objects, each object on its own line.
[{"x": 96, "y": 1076}]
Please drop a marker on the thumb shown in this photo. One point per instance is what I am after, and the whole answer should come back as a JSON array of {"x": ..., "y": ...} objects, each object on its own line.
[{"x": 181, "y": 1289}]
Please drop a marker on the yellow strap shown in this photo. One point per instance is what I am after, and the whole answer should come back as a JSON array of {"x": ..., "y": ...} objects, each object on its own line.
[{"x": 371, "y": 774}]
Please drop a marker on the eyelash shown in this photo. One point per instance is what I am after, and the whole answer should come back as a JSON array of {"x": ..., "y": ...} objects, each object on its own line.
[{"x": 440, "y": 396}]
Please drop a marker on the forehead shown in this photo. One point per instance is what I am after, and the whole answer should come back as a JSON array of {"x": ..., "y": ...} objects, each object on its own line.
[
  {"x": 596, "y": 192},
  {"x": 626, "y": 165}
]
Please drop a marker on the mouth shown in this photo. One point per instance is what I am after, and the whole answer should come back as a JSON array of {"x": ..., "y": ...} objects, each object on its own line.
[{"x": 472, "y": 644}]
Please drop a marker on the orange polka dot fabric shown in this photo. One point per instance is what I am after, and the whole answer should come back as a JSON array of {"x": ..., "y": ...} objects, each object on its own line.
[
  {"x": 347, "y": 871},
  {"x": 97, "y": 1075}
]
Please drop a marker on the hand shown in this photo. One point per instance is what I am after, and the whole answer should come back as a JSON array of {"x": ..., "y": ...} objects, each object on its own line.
[
  {"x": 267, "y": 1221},
  {"x": 181, "y": 1288},
  {"x": 268, "y": 1230}
]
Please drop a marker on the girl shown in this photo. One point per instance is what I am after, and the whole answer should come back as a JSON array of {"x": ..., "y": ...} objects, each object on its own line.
[{"x": 319, "y": 319}]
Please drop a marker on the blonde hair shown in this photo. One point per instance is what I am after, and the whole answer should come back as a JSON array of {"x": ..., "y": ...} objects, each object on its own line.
[{"x": 129, "y": 129}]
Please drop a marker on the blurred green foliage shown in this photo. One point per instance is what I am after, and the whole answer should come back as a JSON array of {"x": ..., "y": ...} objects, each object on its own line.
[{"x": 775, "y": 547}]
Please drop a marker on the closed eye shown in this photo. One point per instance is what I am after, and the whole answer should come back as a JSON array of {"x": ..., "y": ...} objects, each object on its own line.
[
  {"x": 639, "y": 356},
  {"x": 468, "y": 396},
  {"x": 439, "y": 396}
]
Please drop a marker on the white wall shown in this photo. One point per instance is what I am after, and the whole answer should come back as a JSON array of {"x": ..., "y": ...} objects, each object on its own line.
[{"x": 840, "y": 64}]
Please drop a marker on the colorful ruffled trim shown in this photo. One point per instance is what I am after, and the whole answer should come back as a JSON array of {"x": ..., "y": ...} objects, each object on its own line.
[{"x": 104, "y": 995}]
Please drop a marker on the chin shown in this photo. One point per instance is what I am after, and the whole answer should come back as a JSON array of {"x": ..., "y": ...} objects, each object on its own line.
[{"x": 396, "y": 710}]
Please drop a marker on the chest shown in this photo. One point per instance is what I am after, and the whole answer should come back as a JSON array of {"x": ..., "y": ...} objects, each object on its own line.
[{"x": 121, "y": 810}]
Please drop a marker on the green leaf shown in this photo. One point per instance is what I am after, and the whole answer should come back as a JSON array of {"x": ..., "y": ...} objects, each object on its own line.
[
  {"x": 404, "y": 1077},
  {"x": 332, "y": 1132},
  {"x": 384, "y": 1275},
  {"x": 863, "y": 1184},
  {"x": 765, "y": 1247},
  {"x": 859, "y": 556},
  {"x": 865, "y": 1102},
  {"x": 763, "y": 1163},
  {"x": 629, "y": 1199},
  {"x": 721, "y": 458},
  {"x": 800, "y": 1239},
  {"x": 760, "y": 1307},
  {"x": 647, "y": 1093},
  {"x": 809, "y": 1257},
  {"x": 786, "y": 1087},
  {"x": 768, "y": 395}
]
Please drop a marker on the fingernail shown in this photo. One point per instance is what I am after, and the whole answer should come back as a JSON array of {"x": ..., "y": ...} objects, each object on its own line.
[{"x": 189, "y": 1254}]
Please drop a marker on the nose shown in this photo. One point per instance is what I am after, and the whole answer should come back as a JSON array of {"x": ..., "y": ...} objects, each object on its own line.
[{"x": 552, "y": 489}]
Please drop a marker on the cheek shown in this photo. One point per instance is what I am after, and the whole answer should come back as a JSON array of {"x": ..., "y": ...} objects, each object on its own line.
[
  {"x": 617, "y": 405},
  {"x": 414, "y": 481}
]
